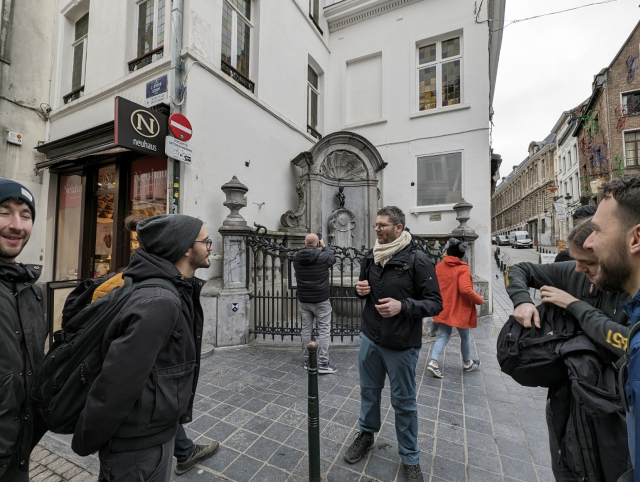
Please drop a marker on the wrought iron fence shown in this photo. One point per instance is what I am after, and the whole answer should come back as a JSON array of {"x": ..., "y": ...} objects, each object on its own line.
[{"x": 272, "y": 286}]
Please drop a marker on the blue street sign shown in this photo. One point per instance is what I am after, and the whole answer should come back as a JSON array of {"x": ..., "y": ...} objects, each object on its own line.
[{"x": 157, "y": 86}]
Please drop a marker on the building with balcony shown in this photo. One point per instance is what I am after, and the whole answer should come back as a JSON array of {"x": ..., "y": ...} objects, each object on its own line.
[{"x": 608, "y": 131}]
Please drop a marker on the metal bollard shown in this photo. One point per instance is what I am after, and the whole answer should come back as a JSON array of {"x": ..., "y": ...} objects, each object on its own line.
[{"x": 313, "y": 414}]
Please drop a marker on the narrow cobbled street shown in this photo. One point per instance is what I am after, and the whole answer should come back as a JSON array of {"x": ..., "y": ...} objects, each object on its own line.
[{"x": 479, "y": 426}]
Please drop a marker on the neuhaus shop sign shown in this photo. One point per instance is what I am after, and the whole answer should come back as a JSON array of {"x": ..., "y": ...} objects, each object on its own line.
[{"x": 139, "y": 128}]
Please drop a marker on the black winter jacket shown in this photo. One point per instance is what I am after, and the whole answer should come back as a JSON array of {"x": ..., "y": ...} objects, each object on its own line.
[
  {"x": 150, "y": 370},
  {"x": 23, "y": 332},
  {"x": 599, "y": 313},
  {"x": 418, "y": 291},
  {"x": 312, "y": 274}
]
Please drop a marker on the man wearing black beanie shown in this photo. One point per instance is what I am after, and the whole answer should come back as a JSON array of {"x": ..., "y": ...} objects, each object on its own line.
[
  {"x": 150, "y": 369},
  {"x": 22, "y": 330}
]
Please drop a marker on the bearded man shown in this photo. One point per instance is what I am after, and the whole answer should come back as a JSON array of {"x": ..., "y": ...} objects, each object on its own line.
[{"x": 616, "y": 243}]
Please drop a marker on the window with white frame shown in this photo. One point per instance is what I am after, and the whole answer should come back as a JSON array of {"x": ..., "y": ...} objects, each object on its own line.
[
  {"x": 79, "y": 52},
  {"x": 236, "y": 35},
  {"x": 569, "y": 157},
  {"x": 439, "y": 179},
  {"x": 151, "y": 27},
  {"x": 632, "y": 148},
  {"x": 439, "y": 73},
  {"x": 313, "y": 99}
]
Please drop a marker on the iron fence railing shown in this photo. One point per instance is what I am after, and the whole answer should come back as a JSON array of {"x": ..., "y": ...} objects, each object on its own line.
[{"x": 272, "y": 286}]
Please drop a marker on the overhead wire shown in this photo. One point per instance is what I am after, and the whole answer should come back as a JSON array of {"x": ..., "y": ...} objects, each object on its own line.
[{"x": 543, "y": 14}]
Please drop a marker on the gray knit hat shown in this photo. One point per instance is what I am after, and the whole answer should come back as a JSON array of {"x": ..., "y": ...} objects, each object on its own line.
[
  {"x": 10, "y": 188},
  {"x": 168, "y": 235},
  {"x": 456, "y": 248}
]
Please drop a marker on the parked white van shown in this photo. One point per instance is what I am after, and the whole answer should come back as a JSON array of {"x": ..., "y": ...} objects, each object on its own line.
[{"x": 520, "y": 239}]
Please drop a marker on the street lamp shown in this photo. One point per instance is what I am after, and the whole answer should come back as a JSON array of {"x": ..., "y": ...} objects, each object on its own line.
[{"x": 567, "y": 198}]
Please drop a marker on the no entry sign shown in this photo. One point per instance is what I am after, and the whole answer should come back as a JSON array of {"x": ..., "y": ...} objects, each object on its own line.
[{"x": 180, "y": 127}]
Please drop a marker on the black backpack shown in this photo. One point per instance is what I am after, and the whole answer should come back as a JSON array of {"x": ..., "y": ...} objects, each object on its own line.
[
  {"x": 75, "y": 358},
  {"x": 588, "y": 417},
  {"x": 530, "y": 355}
]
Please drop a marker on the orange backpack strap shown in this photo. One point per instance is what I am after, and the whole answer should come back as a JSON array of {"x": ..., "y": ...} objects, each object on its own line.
[{"x": 108, "y": 286}]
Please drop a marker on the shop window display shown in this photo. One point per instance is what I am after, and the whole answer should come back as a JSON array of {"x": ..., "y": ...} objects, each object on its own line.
[
  {"x": 105, "y": 193},
  {"x": 68, "y": 230},
  {"x": 148, "y": 194}
]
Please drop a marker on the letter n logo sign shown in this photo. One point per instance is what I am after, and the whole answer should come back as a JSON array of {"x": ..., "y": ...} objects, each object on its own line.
[{"x": 145, "y": 123}]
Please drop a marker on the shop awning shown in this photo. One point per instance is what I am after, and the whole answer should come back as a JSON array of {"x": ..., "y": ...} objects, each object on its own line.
[{"x": 65, "y": 151}]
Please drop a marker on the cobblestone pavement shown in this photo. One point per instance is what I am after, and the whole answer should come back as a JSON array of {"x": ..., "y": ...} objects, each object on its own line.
[{"x": 478, "y": 426}]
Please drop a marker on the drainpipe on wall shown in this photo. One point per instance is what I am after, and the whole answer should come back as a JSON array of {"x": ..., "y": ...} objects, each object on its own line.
[
  {"x": 6, "y": 31},
  {"x": 175, "y": 74}
]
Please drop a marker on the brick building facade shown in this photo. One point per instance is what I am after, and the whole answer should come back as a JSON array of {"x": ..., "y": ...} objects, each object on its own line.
[{"x": 609, "y": 129}]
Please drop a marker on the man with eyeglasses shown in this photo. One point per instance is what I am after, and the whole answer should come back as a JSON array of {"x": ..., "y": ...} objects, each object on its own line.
[
  {"x": 399, "y": 284},
  {"x": 151, "y": 365}
]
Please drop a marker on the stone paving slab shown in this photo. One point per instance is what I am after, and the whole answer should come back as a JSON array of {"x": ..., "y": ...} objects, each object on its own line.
[{"x": 478, "y": 426}]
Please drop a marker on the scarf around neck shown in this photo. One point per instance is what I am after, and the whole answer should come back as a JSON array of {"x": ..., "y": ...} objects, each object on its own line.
[{"x": 384, "y": 252}]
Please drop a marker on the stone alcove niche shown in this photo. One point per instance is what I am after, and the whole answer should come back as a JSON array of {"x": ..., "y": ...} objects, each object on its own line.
[{"x": 342, "y": 159}]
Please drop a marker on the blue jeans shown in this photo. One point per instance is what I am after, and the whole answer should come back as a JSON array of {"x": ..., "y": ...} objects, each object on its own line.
[
  {"x": 443, "y": 339},
  {"x": 375, "y": 363}
]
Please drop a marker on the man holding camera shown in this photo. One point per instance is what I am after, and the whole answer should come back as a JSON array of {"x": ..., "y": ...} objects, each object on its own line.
[{"x": 311, "y": 266}]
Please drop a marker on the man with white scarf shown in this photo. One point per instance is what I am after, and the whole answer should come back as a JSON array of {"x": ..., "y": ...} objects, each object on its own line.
[{"x": 399, "y": 284}]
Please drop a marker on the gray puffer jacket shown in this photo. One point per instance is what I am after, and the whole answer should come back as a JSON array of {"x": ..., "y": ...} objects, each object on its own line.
[{"x": 23, "y": 332}]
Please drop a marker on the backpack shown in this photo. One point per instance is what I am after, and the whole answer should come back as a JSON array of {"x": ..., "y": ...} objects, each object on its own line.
[
  {"x": 594, "y": 440},
  {"x": 75, "y": 358},
  {"x": 530, "y": 355}
]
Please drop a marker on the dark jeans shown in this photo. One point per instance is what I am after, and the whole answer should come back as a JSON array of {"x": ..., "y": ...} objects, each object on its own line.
[
  {"x": 183, "y": 448},
  {"x": 151, "y": 465},
  {"x": 13, "y": 474},
  {"x": 560, "y": 471}
]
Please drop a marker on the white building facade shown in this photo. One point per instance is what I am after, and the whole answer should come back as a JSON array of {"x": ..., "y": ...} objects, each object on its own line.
[
  {"x": 262, "y": 82},
  {"x": 567, "y": 169},
  {"x": 26, "y": 42}
]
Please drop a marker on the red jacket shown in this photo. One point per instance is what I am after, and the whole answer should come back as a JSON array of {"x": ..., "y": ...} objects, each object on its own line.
[{"x": 458, "y": 297}]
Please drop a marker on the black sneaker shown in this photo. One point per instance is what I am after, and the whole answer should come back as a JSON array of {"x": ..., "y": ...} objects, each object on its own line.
[
  {"x": 435, "y": 370},
  {"x": 475, "y": 364},
  {"x": 360, "y": 446},
  {"x": 200, "y": 453},
  {"x": 413, "y": 473}
]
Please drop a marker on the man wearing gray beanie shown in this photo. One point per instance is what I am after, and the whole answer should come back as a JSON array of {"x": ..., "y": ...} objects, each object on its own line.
[
  {"x": 150, "y": 370},
  {"x": 22, "y": 331}
]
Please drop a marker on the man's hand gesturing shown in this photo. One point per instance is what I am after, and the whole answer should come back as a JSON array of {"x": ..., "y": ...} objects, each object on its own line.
[
  {"x": 388, "y": 307},
  {"x": 524, "y": 313},
  {"x": 363, "y": 288}
]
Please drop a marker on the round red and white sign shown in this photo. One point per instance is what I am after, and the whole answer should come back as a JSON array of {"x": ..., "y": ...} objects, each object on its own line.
[{"x": 180, "y": 127}]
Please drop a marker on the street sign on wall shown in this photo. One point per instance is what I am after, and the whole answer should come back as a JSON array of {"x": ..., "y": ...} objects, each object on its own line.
[
  {"x": 180, "y": 127},
  {"x": 138, "y": 128},
  {"x": 180, "y": 151}
]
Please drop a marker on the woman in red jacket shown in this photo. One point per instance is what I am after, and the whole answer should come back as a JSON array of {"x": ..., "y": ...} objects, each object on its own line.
[{"x": 458, "y": 302}]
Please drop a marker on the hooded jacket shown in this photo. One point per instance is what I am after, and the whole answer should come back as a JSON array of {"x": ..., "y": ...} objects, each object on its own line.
[
  {"x": 151, "y": 364},
  {"x": 458, "y": 297},
  {"x": 23, "y": 333},
  {"x": 312, "y": 274},
  {"x": 415, "y": 287},
  {"x": 598, "y": 312}
]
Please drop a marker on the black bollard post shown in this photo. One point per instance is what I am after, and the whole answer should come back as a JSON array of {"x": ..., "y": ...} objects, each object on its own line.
[{"x": 313, "y": 414}]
